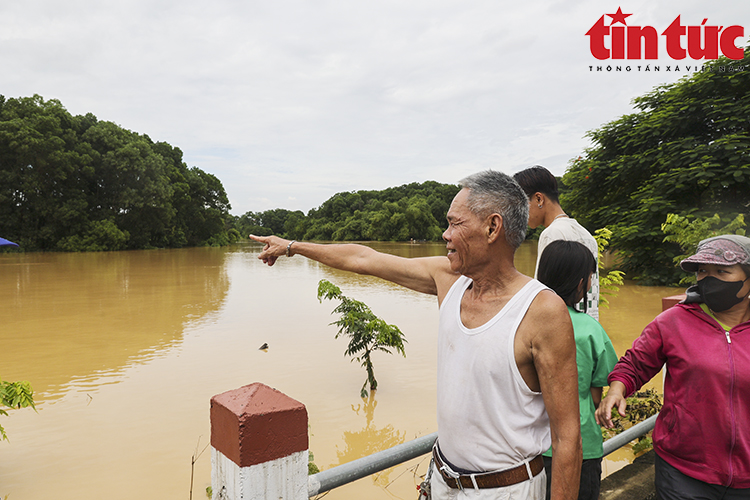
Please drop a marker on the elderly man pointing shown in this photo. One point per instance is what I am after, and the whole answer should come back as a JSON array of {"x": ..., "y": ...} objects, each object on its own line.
[{"x": 507, "y": 383}]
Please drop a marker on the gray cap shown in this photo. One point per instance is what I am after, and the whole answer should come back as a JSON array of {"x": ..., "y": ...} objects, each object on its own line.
[{"x": 725, "y": 250}]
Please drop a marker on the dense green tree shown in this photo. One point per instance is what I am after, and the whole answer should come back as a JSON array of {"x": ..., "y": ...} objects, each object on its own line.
[
  {"x": 75, "y": 183},
  {"x": 132, "y": 184},
  {"x": 250, "y": 223},
  {"x": 686, "y": 151},
  {"x": 410, "y": 212},
  {"x": 277, "y": 221}
]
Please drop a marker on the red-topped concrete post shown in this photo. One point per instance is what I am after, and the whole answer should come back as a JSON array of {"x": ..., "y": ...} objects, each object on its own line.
[
  {"x": 667, "y": 302},
  {"x": 259, "y": 445}
]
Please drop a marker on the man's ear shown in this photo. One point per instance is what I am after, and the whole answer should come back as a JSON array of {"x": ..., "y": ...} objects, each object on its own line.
[
  {"x": 494, "y": 225},
  {"x": 539, "y": 199}
]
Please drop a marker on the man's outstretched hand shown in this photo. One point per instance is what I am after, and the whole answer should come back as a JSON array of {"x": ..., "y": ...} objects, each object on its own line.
[{"x": 274, "y": 248}]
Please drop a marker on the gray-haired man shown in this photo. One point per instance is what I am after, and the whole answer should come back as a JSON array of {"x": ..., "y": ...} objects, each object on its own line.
[{"x": 507, "y": 377}]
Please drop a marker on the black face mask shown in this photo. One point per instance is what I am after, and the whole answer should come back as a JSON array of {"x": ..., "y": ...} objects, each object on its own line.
[{"x": 720, "y": 295}]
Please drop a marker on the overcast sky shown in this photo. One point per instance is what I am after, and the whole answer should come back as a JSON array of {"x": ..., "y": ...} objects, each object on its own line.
[{"x": 288, "y": 102}]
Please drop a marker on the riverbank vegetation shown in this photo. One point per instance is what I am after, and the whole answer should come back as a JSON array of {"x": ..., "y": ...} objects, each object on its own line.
[
  {"x": 686, "y": 151},
  {"x": 75, "y": 183},
  {"x": 413, "y": 211}
]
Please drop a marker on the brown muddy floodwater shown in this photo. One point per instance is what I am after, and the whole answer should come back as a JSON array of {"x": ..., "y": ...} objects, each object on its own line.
[{"x": 125, "y": 350}]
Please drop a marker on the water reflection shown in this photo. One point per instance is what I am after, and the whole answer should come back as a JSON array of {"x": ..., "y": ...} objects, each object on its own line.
[
  {"x": 369, "y": 440},
  {"x": 71, "y": 318}
]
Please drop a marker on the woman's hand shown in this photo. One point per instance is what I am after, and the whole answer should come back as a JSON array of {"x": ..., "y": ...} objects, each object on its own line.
[{"x": 615, "y": 398}]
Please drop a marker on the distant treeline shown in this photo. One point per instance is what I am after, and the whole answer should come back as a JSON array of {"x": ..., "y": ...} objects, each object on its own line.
[
  {"x": 75, "y": 183},
  {"x": 413, "y": 211}
]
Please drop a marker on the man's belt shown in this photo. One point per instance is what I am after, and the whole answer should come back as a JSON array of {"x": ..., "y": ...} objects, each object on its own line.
[{"x": 497, "y": 479}]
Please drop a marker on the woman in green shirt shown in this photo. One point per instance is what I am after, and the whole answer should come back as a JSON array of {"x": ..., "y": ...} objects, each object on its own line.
[{"x": 566, "y": 267}]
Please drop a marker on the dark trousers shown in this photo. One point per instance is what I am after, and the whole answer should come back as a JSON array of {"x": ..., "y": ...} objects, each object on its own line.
[
  {"x": 591, "y": 478},
  {"x": 672, "y": 484}
]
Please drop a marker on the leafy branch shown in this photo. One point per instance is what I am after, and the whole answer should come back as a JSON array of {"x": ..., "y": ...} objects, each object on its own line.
[
  {"x": 609, "y": 284},
  {"x": 367, "y": 333},
  {"x": 14, "y": 395}
]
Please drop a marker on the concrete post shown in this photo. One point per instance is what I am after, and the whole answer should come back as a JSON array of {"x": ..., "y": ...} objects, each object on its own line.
[
  {"x": 667, "y": 302},
  {"x": 259, "y": 445}
]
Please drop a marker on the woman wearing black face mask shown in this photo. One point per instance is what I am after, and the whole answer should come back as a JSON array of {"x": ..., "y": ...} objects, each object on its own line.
[{"x": 702, "y": 434}]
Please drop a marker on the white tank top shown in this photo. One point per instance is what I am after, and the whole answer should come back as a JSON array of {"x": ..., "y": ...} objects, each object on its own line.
[{"x": 488, "y": 418}]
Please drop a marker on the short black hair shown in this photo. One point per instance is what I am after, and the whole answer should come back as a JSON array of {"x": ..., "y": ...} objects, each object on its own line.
[
  {"x": 562, "y": 266},
  {"x": 538, "y": 179},
  {"x": 495, "y": 192}
]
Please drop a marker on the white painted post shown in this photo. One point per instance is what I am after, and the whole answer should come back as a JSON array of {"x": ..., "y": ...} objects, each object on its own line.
[{"x": 259, "y": 445}]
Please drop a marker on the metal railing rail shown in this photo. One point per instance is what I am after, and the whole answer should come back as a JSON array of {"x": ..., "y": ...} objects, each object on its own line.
[
  {"x": 365, "y": 466},
  {"x": 638, "y": 430},
  {"x": 357, "y": 469}
]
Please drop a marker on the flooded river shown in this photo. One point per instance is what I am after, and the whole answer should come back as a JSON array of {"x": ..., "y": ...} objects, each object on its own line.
[{"x": 125, "y": 350}]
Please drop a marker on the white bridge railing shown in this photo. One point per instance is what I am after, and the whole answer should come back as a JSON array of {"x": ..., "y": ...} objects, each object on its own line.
[{"x": 259, "y": 448}]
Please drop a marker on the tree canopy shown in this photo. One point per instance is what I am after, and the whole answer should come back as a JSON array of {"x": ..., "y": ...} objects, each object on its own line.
[
  {"x": 412, "y": 211},
  {"x": 75, "y": 183},
  {"x": 686, "y": 151}
]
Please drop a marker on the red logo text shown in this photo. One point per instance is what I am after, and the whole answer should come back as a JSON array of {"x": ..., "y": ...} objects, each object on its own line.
[{"x": 608, "y": 41}]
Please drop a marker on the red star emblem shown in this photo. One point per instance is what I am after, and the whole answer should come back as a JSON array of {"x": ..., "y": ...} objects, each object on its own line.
[{"x": 619, "y": 17}]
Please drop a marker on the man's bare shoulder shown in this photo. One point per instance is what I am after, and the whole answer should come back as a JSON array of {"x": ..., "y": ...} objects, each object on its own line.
[
  {"x": 438, "y": 267},
  {"x": 442, "y": 273},
  {"x": 546, "y": 314},
  {"x": 547, "y": 302}
]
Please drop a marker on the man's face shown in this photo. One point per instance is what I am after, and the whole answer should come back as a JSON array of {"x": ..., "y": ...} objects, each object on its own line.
[{"x": 465, "y": 235}]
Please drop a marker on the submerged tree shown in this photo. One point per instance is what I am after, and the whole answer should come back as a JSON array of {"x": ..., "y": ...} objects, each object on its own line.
[{"x": 367, "y": 333}]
